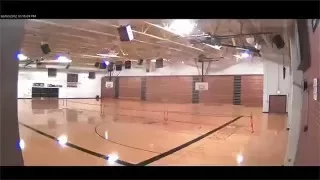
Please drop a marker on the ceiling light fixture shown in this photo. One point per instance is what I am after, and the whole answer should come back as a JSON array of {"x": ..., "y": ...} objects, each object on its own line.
[
  {"x": 182, "y": 27},
  {"x": 242, "y": 55},
  {"x": 22, "y": 57},
  {"x": 64, "y": 59},
  {"x": 108, "y": 55},
  {"x": 106, "y": 62},
  {"x": 106, "y": 136},
  {"x": 245, "y": 55},
  {"x": 237, "y": 56},
  {"x": 257, "y": 46},
  {"x": 217, "y": 47}
]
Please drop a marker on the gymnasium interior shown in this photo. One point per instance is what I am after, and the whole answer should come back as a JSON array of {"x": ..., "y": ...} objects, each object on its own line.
[{"x": 161, "y": 92}]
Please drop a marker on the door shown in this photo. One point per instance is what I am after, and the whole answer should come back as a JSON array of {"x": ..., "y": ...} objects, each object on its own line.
[{"x": 277, "y": 104}]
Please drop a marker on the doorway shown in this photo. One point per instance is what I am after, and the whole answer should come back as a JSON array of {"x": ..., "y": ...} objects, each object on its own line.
[{"x": 277, "y": 104}]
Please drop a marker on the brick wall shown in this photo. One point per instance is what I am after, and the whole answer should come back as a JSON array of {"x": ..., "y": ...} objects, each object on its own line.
[
  {"x": 175, "y": 89},
  {"x": 252, "y": 90},
  {"x": 130, "y": 88},
  {"x": 180, "y": 89},
  {"x": 220, "y": 90},
  {"x": 309, "y": 143}
]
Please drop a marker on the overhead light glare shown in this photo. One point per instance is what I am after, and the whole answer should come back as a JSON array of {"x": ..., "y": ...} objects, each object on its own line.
[
  {"x": 217, "y": 47},
  {"x": 108, "y": 55},
  {"x": 22, "y": 144},
  {"x": 257, "y": 46},
  {"x": 245, "y": 55},
  {"x": 182, "y": 27},
  {"x": 239, "y": 159},
  {"x": 64, "y": 59},
  {"x": 62, "y": 140},
  {"x": 112, "y": 158},
  {"x": 22, "y": 57}
]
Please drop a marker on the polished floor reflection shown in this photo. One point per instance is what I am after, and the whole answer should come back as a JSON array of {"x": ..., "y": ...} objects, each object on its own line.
[{"x": 119, "y": 132}]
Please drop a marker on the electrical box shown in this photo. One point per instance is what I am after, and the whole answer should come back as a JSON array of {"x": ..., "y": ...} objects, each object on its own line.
[{"x": 201, "y": 86}]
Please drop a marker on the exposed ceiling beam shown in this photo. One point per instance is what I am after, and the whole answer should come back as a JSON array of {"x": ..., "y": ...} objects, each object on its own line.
[
  {"x": 102, "y": 33},
  {"x": 257, "y": 27},
  {"x": 159, "y": 38},
  {"x": 149, "y": 35}
]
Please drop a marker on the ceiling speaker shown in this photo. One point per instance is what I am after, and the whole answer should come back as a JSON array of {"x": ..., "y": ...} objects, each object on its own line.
[
  {"x": 140, "y": 61},
  {"x": 127, "y": 64},
  {"x": 119, "y": 65},
  {"x": 92, "y": 75},
  {"x": 159, "y": 63},
  {"x": 125, "y": 33},
  {"x": 110, "y": 66},
  {"x": 45, "y": 48},
  {"x": 278, "y": 41},
  {"x": 97, "y": 64},
  {"x": 102, "y": 65}
]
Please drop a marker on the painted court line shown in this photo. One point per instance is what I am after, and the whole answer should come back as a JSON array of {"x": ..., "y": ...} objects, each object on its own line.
[
  {"x": 108, "y": 140},
  {"x": 171, "y": 151},
  {"x": 77, "y": 147}
]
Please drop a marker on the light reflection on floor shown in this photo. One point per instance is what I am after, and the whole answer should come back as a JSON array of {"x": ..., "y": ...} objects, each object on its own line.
[{"x": 134, "y": 131}]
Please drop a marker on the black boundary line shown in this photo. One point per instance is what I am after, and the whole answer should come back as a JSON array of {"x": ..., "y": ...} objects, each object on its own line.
[
  {"x": 77, "y": 147},
  {"x": 171, "y": 151},
  {"x": 100, "y": 136}
]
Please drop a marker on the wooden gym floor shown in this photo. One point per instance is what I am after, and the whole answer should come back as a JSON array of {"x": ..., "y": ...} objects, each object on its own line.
[{"x": 147, "y": 133}]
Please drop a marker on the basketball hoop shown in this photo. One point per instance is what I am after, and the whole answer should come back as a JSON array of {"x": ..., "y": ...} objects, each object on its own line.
[
  {"x": 109, "y": 85},
  {"x": 201, "y": 87}
]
